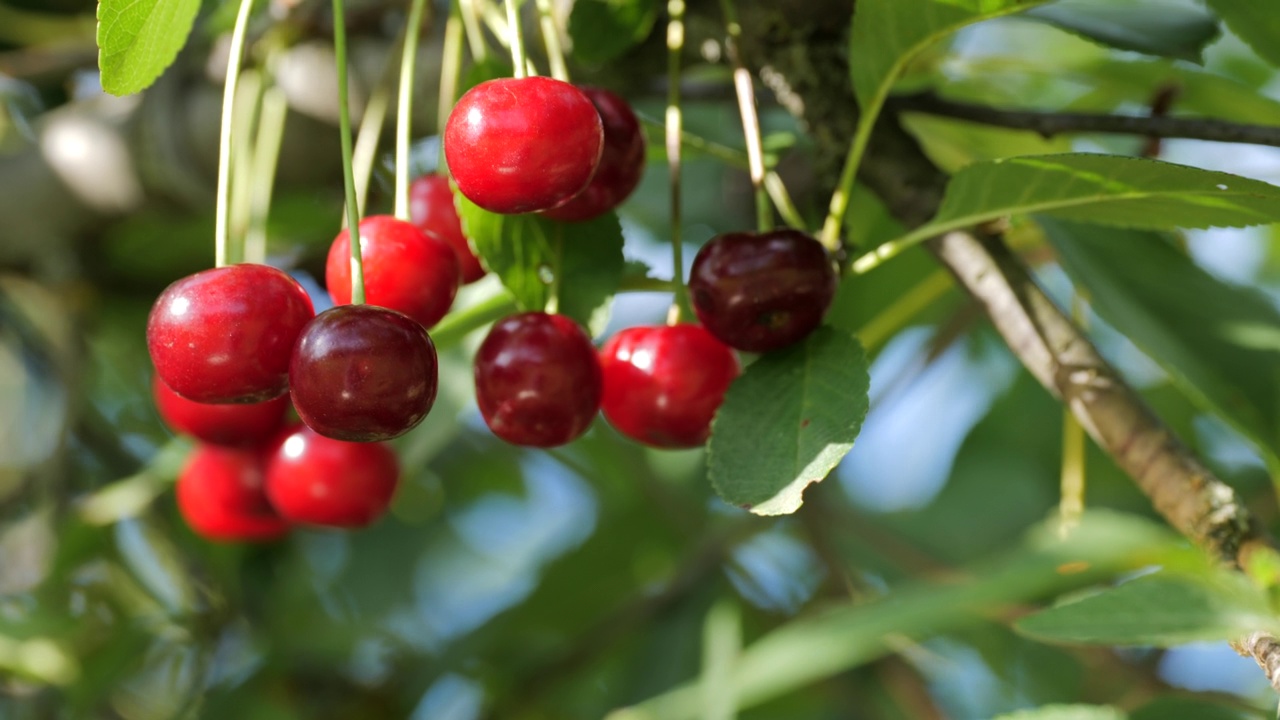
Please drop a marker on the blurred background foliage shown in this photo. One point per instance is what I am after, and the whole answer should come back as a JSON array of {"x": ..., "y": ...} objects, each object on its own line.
[{"x": 515, "y": 584}]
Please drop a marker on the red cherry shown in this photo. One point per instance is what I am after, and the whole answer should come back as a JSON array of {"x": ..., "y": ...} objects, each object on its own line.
[
  {"x": 537, "y": 380},
  {"x": 220, "y": 495},
  {"x": 363, "y": 373},
  {"x": 405, "y": 269},
  {"x": 244, "y": 424},
  {"x": 662, "y": 385},
  {"x": 316, "y": 480},
  {"x": 519, "y": 145},
  {"x": 762, "y": 291},
  {"x": 621, "y": 163},
  {"x": 431, "y": 208},
  {"x": 226, "y": 335}
]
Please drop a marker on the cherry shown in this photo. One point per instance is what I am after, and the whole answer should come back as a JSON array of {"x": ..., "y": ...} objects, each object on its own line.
[
  {"x": 226, "y": 335},
  {"x": 405, "y": 269},
  {"x": 316, "y": 480},
  {"x": 243, "y": 424},
  {"x": 219, "y": 493},
  {"x": 431, "y": 209},
  {"x": 519, "y": 145},
  {"x": 538, "y": 379},
  {"x": 762, "y": 291},
  {"x": 621, "y": 163},
  {"x": 363, "y": 373},
  {"x": 662, "y": 385}
]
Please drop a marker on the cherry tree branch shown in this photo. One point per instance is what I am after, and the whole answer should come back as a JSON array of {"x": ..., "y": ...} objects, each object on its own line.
[{"x": 1049, "y": 124}]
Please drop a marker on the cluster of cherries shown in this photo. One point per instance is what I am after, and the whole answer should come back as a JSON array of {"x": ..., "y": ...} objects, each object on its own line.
[{"x": 229, "y": 343}]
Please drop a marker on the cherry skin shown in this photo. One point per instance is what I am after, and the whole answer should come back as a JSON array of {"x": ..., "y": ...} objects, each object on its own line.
[
  {"x": 220, "y": 495},
  {"x": 431, "y": 208},
  {"x": 520, "y": 145},
  {"x": 241, "y": 424},
  {"x": 538, "y": 380},
  {"x": 405, "y": 269},
  {"x": 226, "y": 335},
  {"x": 315, "y": 480},
  {"x": 663, "y": 385},
  {"x": 761, "y": 291},
  {"x": 363, "y": 373},
  {"x": 621, "y": 163}
]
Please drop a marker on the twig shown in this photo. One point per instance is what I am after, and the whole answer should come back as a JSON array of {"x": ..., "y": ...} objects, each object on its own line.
[{"x": 1049, "y": 124}]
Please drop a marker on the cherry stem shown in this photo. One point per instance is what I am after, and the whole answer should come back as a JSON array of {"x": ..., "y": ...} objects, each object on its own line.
[
  {"x": 222, "y": 210},
  {"x": 516, "y": 38},
  {"x": 404, "y": 107},
  {"x": 249, "y": 90},
  {"x": 746, "y": 92},
  {"x": 450, "y": 74},
  {"x": 475, "y": 36},
  {"x": 1071, "y": 503},
  {"x": 553, "y": 297},
  {"x": 344, "y": 128},
  {"x": 266, "y": 158},
  {"x": 371, "y": 123},
  {"x": 551, "y": 37},
  {"x": 675, "y": 44}
]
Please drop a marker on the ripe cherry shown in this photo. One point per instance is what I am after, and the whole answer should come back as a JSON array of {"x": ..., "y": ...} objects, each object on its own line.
[
  {"x": 405, "y": 269},
  {"x": 431, "y": 208},
  {"x": 519, "y": 145},
  {"x": 538, "y": 380},
  {"x": 621, "y": 163},
  {"x": 242, "y": 424},
  {"x": 363, "y": 373},
  {"x": 762, "y": 291},
  {"x": 226, "y": 335},
  {"x": 316, "y": 480},
  {"x": 662, "y": 385},
  {"x": 220, "y": 494}
]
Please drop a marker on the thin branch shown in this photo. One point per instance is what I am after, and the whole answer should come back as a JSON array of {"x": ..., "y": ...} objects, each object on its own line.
[{"x": 1049, "y": 124}]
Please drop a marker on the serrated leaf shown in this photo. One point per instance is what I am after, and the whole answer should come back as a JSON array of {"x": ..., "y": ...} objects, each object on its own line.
[
  {"x": 1161, "y": 610},
  {"x": 603, "y": 30},
  {"x": 1174, "y": 31},
  {"x": 1255, "y": 21},
  {"x": 1219, "y": 343},
  {"x": 1106, "y": 190},
  {"x": 1067, "y": 712},
  {"x": 787, "y": 421},
  {"x": 888, "y": 34},
  {"x": 138, "y": 39},
  {"x": 527, "y": 251}
]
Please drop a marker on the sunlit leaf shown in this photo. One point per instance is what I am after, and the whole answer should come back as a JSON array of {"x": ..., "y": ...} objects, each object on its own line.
[
  {"x": 1175, "y": 31},
  {"x": 138, "y": 39}
]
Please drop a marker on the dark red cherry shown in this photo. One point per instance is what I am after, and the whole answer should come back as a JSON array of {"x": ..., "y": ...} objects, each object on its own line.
[
  {"x": 431, "y": 208},
  {"x": 762, "y": 291},
  {"x": 405, "y": 269},
  {"x": 662, "y": 385},
  {"x": 519, "y": 145},
  {"x": 220, "y": 495},
  {"x": 242, "y": 424},
  {"x": 315, "y": 480},
  {"x": 537, "y": 380},
  {"x": 621, "y": 163},
  {"x": 363, "y": 373},
  {"x": 226, "y": 335}
]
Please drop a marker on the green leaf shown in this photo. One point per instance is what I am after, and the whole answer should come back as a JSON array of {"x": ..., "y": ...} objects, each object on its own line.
[
  {"x": 1219, "y": 343},
  {"x": 1175, "y": 31},
  {"x": 1162, "y": 610},
  {"x": 603, "y": 30},
  {"x": 1104, "y": 189},
  {"x": 1255, "y": 21},
  {"x": 815, "y": 393},
  {"x": 1067, "y": 712},
  {"x": 811, "y": 648},
  {"x": 1185, "y": 708},
  {"x": 888, "y": 34},
  {"x": 526, "y": 251},
  {"x": 138, "y": 39}
]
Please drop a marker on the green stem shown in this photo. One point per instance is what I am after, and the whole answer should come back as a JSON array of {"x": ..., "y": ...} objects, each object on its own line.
[
  {"x": 222, "y": 209},
  {"x": 404, "y": 108},
  {"x": 450, "y": 75},
  {"x": 250, "y": 91},
  {"x": 266, "y": 157},
  {"x": 460, "y": 323},
  {"x": 475, "y": 36},
  {"x": 830, "y": 236},
  {"x": 745, "y": 89},
  {"x": 344, "y": 127},
  {"x": 675, "y": 44},
  {"x": 1071, "y": 503},
  {"x": 893, "y": 318},
  {"x": 551, "y": 37},
  {"x": 553, "y": 297},
  {"x": 515, "y": 38}
]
